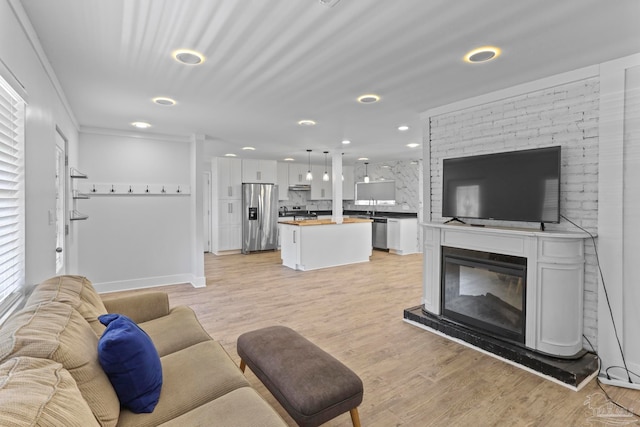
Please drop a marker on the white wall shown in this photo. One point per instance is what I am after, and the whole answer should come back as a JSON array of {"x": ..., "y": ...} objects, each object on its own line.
[
  {"x": 136, "y": 241},
  {"x": 46, "y": 109}
]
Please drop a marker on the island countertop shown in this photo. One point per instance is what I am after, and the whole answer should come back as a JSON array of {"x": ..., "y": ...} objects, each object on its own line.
[{"x": 306, "y": 222}]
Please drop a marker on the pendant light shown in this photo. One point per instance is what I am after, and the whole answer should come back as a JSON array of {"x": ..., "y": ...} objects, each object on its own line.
[
  {"x": 309, "y": 176},
  {"x": 366, "y": 174},
  {"x": 325, "y": 177}
]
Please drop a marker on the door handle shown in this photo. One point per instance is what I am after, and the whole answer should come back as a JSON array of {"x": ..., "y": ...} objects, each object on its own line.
[
  {"x": 230, "y": 209},
  {"x": 59, "y": 249},
  {"x": 294, "y": 236}
]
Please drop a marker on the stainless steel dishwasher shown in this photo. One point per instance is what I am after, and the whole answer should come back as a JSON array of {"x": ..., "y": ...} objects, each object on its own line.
[{"x": 379, "y": 233}]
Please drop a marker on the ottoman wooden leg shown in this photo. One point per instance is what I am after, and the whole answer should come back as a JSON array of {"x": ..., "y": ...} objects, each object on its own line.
[
  {"x": 355, "y": 418},
  {"x": 243, "y": 365}
]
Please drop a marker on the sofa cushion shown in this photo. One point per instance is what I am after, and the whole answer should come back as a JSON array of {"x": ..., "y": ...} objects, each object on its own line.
[
  {"x": 191, "y": 377},
  {"x": 239, "y": 408},
  {"x": 178, "y": 330},
  {"x": 40, "y": 392},
  {"x": 74, "y": 290},
  {"x": 56, "y": 331},
  {"x": 127, "y": 355}
]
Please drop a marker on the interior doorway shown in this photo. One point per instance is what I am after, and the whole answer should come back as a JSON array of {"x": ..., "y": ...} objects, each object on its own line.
[
  {"x": 61, "y": 202},
  {"x": 206, "y": 211}
]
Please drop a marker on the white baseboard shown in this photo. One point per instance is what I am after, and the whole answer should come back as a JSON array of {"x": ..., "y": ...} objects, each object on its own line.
[
  {"x": 618, "y": 383},
  {"x": 149, "y": 282}
]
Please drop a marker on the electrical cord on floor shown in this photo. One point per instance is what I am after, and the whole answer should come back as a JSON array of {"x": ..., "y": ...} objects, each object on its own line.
[
  {"x": 606, "y": 295},
  {"x": 606, "y": 395},
  {"x": 619, "y": 367}
]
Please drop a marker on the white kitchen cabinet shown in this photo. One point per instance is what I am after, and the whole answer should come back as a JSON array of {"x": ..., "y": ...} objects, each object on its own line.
[
  {"x": 402, "y": 235},
  {"x": 327, "y": 245},
  {"x": 349, "y": 183},
  {"x": 290, "y": 245},
  {"x": 227, "y": 205},
  {"x": 298, "y": 174},
  {"x": 321, "y": 190},
  {"x": 229, "y": 212},
  {"x": 283, "y": 181},
  {"x": 230, "y": 238},
  {"x": 228, "y": 177},
  {"x": 259, "y": 171}
]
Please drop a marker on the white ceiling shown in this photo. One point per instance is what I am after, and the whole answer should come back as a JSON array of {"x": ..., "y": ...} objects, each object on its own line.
[{"x": 271, "y": 63}]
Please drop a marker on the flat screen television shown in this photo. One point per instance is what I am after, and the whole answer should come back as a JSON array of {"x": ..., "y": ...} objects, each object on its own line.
[{"x": 511, "y": 186}]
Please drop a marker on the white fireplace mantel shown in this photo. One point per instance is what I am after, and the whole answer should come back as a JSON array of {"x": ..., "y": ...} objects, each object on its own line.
[{"x": 555, "y": 277}]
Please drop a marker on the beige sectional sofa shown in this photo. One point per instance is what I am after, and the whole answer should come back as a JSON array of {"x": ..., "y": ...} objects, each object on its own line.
[{"x": 50, "y": 374}]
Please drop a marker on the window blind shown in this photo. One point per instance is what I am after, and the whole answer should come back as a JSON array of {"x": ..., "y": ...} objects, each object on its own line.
[{"x": 12, "y": 225}]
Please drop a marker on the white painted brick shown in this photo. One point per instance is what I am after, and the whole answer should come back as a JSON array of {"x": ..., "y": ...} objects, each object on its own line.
[{"x": 565, "y": 115}]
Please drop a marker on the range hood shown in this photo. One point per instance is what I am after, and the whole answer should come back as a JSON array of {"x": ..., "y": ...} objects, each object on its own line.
[{"x": 300, "y": 187}]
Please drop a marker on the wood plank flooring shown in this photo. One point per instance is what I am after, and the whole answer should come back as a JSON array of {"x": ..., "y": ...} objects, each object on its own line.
[{"x": 411, "y": 377}]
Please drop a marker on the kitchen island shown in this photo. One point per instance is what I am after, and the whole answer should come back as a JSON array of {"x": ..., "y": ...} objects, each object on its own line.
[{"x": 320, "y": 243}]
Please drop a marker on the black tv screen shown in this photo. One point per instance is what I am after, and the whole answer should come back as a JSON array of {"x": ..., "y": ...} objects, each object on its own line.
[{"x": 510, "y": 186}]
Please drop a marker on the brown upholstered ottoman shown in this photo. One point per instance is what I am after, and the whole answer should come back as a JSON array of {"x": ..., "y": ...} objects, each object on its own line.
[{"x": 311, "y": 385}]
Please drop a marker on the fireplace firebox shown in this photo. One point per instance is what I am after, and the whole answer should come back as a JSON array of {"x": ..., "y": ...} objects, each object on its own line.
[{"x": 485, "y": 291}]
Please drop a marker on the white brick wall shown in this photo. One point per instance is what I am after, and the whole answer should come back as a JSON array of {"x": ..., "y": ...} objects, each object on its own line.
[{"x": 565, "y": 115}]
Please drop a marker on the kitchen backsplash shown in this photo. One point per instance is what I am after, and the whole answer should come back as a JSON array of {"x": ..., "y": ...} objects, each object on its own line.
[{"x": 404, "y": 173}]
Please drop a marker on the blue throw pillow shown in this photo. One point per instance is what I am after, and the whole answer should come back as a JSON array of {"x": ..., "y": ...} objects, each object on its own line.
[{"x": 130, "y": 360}]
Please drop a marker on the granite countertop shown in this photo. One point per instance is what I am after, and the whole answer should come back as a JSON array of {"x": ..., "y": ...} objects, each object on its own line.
[{"x": 306, "y": 222}]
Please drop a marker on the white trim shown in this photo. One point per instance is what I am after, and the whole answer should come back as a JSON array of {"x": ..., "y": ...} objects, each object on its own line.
[
  {"x": 150, "y": 282},
  {"x": 510, "y": 362},
  {"x": 544, "y": 83},
  {"x": 611, "y": 207},
  {"x": 32, "y": 36},
  {"x": 134, "y": 134}
]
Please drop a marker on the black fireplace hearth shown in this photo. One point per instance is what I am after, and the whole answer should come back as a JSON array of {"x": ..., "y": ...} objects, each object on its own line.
[{"x": 572, "y": 372}]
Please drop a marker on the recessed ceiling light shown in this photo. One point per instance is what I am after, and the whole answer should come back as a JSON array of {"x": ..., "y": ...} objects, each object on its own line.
[
  {"x": 230, "y": 155},
  {"x": 482, "y": 54},
  {"x": 307, "y": 122},
  {"x": 141, "y": 125},
  {"x": 403, "y": 128},
  {"x": 369, "y": 98},
  {"x": 165, "y": 102},
  {"x": 363, "y": 158},
  {"x": 386, "y": 167},
  {"x": 188, "y": 57},
  {"x": 289, "y": 159},
  {"x": 346, "y": 141},
  {"x": 248, "y": 148},
  {"x": 413, "y": 145}
]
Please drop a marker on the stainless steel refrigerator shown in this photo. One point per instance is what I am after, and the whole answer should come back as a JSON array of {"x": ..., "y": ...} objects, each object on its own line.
[{"x": 259, "y": 217}]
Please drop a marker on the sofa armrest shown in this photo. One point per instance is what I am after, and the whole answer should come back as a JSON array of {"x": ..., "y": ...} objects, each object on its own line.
[{"x": 140, "y": 307}]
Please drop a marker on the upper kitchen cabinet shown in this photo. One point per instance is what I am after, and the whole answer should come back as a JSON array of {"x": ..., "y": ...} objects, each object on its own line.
[
  {"x": 283, "y": 181},
  {"x": 228, "y": 176},
  {"x": 321, "y": 190},
  {"x": 348, "y": 183},
  {"x": 259, "y": 171},
  {"x": 298, "y": 174}
]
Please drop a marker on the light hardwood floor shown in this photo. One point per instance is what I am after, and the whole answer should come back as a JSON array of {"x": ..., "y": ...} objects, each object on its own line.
[{"x": 411, "y": 377}]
